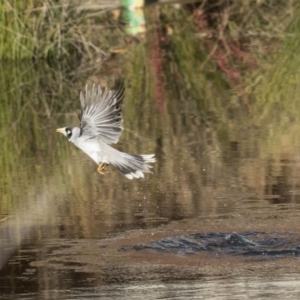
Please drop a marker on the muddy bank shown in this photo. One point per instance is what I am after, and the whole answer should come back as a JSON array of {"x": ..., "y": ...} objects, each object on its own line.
[{"x": 106, "y": 261}]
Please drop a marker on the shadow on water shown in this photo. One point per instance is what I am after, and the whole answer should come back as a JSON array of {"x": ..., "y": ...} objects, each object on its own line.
[{"x": 221, "y": 167}]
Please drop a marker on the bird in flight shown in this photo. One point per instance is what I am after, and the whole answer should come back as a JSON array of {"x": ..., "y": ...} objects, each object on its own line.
[{"x": 100, "y": 126}]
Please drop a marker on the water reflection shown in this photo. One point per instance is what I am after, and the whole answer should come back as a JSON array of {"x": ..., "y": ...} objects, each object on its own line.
[
  {"x": 220, "y": 288},
  {"x": 208, "y": 164}
]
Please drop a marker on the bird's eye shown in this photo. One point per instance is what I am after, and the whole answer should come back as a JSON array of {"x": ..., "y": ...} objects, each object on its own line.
[{"x": 69, "y": 133}]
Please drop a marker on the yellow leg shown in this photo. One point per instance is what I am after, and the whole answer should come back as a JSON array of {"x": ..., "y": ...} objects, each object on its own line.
[{"x": 101, "y": 168}]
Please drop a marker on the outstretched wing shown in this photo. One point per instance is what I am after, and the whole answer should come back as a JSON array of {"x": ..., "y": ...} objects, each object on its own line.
[{"x": 101, "y": 113}]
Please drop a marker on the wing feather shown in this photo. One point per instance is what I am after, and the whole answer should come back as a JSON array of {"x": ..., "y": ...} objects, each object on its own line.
[{"x": 101, "y": 112}]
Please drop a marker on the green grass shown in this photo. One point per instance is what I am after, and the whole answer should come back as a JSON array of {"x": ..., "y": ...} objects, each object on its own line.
[{"x": 56, "y": 31}]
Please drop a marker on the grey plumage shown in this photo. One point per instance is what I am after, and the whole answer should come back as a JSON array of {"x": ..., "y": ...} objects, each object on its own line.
[
  {"x": 101, "y": 113},
  {"x": 100, "y": 126}
]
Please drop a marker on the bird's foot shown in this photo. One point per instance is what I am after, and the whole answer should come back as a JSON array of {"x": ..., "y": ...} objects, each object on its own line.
[{"x": 101, "y": 168}]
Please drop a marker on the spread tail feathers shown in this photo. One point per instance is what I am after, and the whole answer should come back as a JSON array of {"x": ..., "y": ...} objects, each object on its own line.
[{"x": 133, "y": 166}]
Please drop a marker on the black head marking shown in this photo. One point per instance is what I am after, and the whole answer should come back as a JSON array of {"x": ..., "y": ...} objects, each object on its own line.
[{"x": 69, "y": 132}]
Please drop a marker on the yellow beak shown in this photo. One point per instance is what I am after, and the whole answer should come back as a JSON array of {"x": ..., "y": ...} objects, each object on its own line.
[{"x": 61, "y": 130}]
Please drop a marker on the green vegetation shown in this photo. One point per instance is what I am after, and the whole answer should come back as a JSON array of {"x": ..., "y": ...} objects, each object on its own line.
[{"x": 57, "y": 31}]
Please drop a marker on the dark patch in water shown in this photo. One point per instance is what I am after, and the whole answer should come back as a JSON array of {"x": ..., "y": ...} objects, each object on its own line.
[{"x": 249, "y": 244}]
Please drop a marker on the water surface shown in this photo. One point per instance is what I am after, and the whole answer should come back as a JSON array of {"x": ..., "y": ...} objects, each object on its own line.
[{"x": 218, "y": 169}]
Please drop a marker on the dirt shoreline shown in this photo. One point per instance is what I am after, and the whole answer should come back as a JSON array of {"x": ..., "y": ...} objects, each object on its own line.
[{"x": 108, "y": 264}]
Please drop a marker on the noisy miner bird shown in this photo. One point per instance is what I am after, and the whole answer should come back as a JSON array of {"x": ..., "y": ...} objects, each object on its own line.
[{"x": 100, "y": 126}]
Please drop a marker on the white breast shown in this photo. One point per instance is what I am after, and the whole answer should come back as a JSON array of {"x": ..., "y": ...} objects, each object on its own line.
[{"x": 91, "y": 147}]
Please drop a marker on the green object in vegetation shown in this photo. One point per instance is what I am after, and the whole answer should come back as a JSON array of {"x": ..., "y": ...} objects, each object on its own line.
[{"x": 133, "y": 16}]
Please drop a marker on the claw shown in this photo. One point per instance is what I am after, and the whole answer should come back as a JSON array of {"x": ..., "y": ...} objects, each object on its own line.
[{"x": 101, "y": 168}]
